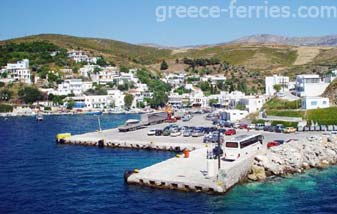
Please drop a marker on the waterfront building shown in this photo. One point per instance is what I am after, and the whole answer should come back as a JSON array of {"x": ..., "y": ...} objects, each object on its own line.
[{"x": 19, "y": 71}]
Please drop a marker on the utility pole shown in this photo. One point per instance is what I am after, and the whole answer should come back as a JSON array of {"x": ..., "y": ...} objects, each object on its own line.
[{"x": 219, "y": 150}]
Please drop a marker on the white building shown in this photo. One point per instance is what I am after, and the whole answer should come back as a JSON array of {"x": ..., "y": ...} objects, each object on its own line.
[
  {"x": 80, "y": 56},
  {"x": 87, "y": 70},
  {"x": 108, "y": 74},
  {"x": 175, "y": 79},
  {"x": 310, "y": 85},
  {"x": 213, "y": 78},
  {"x": 73, "y": 86},
  {"x": 315, "y": 102},
  {"x": 116, "y": 98},
  {"x": 271, "y": 81},
  {"x": 233, "y": 115},
  {"x": 253, "y": 103},
  {"x": 19, "y": 71},
  {"x": 91, "y": 102}
]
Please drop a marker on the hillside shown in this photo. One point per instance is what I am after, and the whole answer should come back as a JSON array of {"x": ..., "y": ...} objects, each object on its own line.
[
  {"x": 263, "y": 58},
  {"x": 331, "y": 92},
  {"x": 292, "y": 41},
  {"x": 115, "y": 51}
]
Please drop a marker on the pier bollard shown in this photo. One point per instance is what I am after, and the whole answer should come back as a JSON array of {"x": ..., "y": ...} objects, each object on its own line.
[{"x": 101, "y": 143}]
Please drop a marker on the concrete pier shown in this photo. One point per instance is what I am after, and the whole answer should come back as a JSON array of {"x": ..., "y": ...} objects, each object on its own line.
[
  {"x": 196, "y": 173},
  {"x": 192, "y": 174}
]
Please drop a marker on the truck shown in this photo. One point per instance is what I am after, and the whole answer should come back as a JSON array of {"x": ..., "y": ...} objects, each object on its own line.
[
  {"x": 154, "y": 118},
  {"x": 146, "y": 119}
]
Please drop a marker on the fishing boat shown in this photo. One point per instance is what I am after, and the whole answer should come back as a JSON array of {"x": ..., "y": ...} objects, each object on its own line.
[{"x": 39, "y": 117}]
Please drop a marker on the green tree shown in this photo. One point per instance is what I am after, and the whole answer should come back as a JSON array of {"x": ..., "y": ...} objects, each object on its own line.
[
  {"x": 212, "y": 102},
  {"x": 164, "y": 65},
  {"x": 101, "y": 62},
  {"x": 29, "y": 94},
  {"x": 128, "y": 99},
  {"x": 159, "y": 99},
  {"x": 124, "y": 69},
  {"x": 240, "y": 107},
  {"x": 70, "y": 104},
  {"x": 277, "y": 87},
  {"x": 97, "y": 69},
  {"x": 5, "y": 95}
]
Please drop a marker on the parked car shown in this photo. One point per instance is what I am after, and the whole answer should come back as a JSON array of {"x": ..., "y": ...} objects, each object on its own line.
[
  {"x": 312, "y": 128},
  {"x": 213, "y": 137},
  {"x": 236, "y": 125},
  {"x": 279, "y": 128},
  {"x": 197, "y": 132},
  {"x": 243, "y": 126},
  {"x": 251, "y": 126},
  {"x": 166, "y": 132},
  {"x": 228, "y": 124},
  {"x": 300, "y": 128},
  {"x": 187, "y": 133},
  {"x": 272, "y": 144},
  {"x": 324, "y": 128},
  {"x": 151, "y": 132},
  {"x": 259, "y": 126},
  {"x": 289, "y": 130},
  {"x": 230, "y": 132},
  {"x": 186, "y": 117},
  {"x": 158, "y": 132},
  {"x": 175, "y": 133},
  {"x": 306, "y": 128},
  {"x": 318, "y": 128},
  {"x": 330, "y": 127}
]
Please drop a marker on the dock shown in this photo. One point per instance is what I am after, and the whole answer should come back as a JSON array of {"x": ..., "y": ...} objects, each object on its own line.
[{"x": 193, "y": 173}]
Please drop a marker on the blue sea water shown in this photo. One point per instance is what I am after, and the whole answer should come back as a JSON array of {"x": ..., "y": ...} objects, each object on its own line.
[{"x": 39, "y": 176}]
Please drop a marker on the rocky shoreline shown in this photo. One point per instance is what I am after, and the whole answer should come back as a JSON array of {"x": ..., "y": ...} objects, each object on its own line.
[{"x": 294, "y": 157}]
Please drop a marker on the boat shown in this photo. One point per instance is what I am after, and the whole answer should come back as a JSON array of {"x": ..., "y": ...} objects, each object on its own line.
[
  {"x": 39, "y": 117},
  {"x": 94, "y": 113}
]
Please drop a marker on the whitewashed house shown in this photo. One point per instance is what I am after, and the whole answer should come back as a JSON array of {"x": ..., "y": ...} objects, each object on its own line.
[
  {"x": 108, "y": 74},
  {"x": 253, "y": 103},
  {"x": 70, "y": 86},
  {"x": 315, "y": 103},
  {"x": 233, "y": 115},
  {"x": 271, "y": 81},
  {"x": 19, "y": 71},
  {"x": 80, "y": 56},
  {"x": 310, "y": 85},
  {"x": 116, "y": 98},
  {"x": 175, "y": 79}
]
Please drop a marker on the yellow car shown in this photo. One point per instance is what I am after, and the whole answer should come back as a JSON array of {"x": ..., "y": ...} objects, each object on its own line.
[{"x": 289, "y": 130}]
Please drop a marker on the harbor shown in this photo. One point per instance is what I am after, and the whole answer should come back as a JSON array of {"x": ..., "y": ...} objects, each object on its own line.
[{"x": 193, "y": 171}]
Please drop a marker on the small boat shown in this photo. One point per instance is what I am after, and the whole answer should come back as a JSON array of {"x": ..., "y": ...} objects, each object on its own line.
[
  {"x": 94, "y": 113},
  {"x": 39, "y": 117}
]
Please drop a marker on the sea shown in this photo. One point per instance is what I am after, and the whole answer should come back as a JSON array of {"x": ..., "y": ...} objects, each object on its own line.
[{"x": 39, "y": 176}]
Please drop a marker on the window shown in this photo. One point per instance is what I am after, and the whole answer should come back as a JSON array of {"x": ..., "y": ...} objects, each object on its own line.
[
  {"x": 324, "y": 102},
  {"x": 232, "y": 144},
  {"x": 314, "y": 103}
]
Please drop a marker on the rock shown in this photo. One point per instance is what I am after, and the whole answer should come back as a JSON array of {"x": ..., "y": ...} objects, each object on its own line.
[
  {"x": 261, "y": 158},
  {"x": 252, "y": 177},
  {"x": 306, "y": 165},
  {"x": 259, "y": 172}
]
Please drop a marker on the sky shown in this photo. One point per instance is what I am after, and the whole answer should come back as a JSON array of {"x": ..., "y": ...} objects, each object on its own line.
[{"x": 135, "y": 21}]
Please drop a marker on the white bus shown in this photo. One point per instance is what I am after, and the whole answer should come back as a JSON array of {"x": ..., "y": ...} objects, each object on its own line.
[{"x": 242, "y": 145}]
